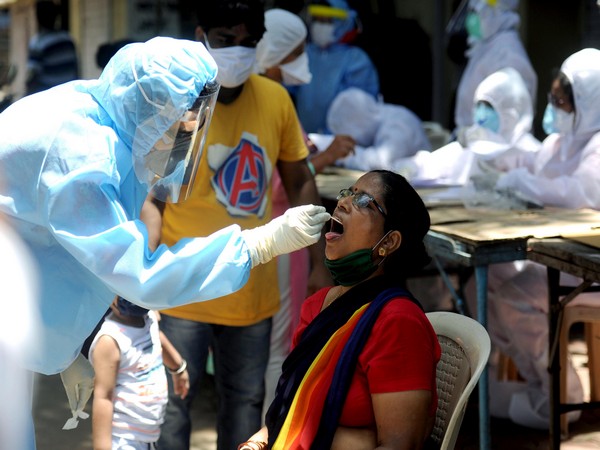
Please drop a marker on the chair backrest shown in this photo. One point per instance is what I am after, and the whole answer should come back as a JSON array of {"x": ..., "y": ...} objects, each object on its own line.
[{"x": 465, "y": 351}]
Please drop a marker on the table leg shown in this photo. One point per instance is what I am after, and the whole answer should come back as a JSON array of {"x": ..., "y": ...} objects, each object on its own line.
[
  {"x": 481, "y": 279},
  {"x": 554, "y": 355}
]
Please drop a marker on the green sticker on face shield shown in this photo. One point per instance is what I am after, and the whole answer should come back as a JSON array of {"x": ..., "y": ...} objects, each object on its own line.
[{"x": 473, "y": 25}]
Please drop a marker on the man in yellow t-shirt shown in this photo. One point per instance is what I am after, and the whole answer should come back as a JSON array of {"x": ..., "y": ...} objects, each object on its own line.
[{"x": 254, "y": 130}]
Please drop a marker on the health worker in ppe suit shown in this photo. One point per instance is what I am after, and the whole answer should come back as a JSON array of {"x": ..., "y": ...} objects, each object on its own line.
[
  {"x": 494, "y": 43},
  {"x": 384, "y": 133},
  {"x": 73, "y": 187},
  {"x": 564, "y": 173},
  {"x": 334, "y": 62},
  {"x": 499, "y": 140}
]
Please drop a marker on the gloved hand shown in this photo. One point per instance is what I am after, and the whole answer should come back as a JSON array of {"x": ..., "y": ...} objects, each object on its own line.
[
  {"x": 297, "y": 228},
  {"x": 78, "y": 380}
]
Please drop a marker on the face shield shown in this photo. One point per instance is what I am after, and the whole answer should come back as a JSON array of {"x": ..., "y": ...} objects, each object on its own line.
[{"x": 173, "y": 160}]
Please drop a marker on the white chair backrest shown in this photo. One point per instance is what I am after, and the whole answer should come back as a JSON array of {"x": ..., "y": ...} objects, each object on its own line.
[{"x": 465, "y": 351}]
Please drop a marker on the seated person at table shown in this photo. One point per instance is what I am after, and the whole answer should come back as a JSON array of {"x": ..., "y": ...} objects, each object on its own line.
[
  {"x": 564, "y": 173},
  {"x": 383, "y": 132},
  {"x": 362, "y": 372},
  {"x": 499, "y": 140}
]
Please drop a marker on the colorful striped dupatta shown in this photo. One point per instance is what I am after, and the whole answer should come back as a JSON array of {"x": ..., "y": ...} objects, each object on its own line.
[{"x": 317, "y": 374}]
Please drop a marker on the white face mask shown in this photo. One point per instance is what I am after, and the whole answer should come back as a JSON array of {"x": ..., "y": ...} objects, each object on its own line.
[
  {"x": 321, "y": 33},
  {"x": 235, "y": 64},
  {"x": 296, "y": 72},
  {"x": 557, "y": 120}
]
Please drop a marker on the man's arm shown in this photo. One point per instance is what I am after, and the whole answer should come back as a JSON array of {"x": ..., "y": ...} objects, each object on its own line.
[{"x": 301, "y": 189}]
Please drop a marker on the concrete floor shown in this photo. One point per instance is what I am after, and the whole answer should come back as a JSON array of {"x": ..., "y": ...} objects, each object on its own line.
[{"x": 51, "y": 410}]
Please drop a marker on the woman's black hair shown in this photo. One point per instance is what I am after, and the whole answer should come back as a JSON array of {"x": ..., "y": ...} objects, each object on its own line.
[
  {"x": 406, "y": 213},
  {"x": 565, "y": 85}
]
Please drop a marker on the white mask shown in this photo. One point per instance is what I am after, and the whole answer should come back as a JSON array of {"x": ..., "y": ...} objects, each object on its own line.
[
  {"x": 557, "y": 120},
  {"x": 322, "y": 33},
  {"x": 235, "y": 64},
  {"x": 296, "y": 72}
]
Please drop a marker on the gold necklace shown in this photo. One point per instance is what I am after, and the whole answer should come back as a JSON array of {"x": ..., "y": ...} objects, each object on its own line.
[{"x": 333, "y": 299}]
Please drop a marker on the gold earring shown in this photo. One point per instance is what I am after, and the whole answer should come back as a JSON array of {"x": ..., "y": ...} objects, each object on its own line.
[{"x": 381, "y": 251}]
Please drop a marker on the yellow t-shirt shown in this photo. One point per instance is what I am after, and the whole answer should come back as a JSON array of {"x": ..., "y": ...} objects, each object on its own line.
[{"x": 245, "y": 140}]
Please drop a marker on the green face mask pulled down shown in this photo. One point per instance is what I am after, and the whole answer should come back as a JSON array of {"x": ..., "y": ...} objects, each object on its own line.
[
  {"x": 352, "y": 268},
  {"x": 355, "y": 267}
]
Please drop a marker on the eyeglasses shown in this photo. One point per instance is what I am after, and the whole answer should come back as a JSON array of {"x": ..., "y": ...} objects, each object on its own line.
[
  {"x": 360, "y": 199},
  {"x": 555, "y": 101}
]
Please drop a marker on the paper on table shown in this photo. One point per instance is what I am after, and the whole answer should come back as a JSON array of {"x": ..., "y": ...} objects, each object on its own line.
[
  {"x": 591, "y": 238},
  {"x": 321, "y": 141},
  {"x": 441, "y": 196}
]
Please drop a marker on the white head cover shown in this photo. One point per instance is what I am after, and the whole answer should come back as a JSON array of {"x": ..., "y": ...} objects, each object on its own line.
[
  {"x": 583, "y": 71},
  {"x": 384, "y": 132},
  {"x": 284, "y": 32},
  {"x": 355, "y": 113},
  {"x": 506, "y": 91}
]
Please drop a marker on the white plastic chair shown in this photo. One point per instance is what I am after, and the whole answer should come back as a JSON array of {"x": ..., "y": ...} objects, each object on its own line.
[{"x": 465, "y": 351}]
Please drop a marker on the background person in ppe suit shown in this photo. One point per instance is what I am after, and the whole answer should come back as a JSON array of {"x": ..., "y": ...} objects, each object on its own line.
[
  {"x": 73, "y": 187},
  {"x": 564, "y": 173},
  {"x": 499, "y": 140},
  {"x": 383, "y": 132},
  {"x": 334, "y": 62},
  {"x": 494, "y": 43}
]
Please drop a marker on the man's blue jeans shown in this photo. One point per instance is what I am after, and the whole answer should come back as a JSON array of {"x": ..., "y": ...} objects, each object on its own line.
[{"x": 240, "y": 358}]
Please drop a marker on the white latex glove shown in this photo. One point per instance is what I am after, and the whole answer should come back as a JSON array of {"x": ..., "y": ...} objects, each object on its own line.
[
  {"x": 511, "y": 179},
  {"x": 297, "y": 228},
  {"x": 78, "y": 380}
]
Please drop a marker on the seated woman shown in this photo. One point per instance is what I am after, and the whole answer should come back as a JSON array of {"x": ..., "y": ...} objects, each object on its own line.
[{"x": 363, "y": 366}]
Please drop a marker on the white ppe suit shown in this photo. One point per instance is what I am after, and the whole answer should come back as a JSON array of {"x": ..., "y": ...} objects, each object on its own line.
[
  {"x": 500, "y": 46},
  {"x": 564, "y": 173},
  {"x": 485, "y": 154},
  {"x": 383, "y": 132},
  {"x": 69, "y": 188}
]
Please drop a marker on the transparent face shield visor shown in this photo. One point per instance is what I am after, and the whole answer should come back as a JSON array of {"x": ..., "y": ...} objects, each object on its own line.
[{"x": 174, "y": 158}]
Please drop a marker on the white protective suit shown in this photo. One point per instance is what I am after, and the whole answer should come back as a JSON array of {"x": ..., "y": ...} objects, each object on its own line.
[
  {"x": 383, "y": 132},
  {"x": 19, "y": 324},
  {"x": 500, "y": 46},
  {"x": 486, "y": 154},
  {"x": 70, "y": 191},
  {"x": 564, "y": 173}
]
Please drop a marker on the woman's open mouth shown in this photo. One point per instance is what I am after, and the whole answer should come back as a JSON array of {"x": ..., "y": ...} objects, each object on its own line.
[{"x": 336, "y": 229}]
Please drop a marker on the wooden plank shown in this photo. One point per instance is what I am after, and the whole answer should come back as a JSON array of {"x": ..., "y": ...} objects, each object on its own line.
[{"x": 567, "y": 256}]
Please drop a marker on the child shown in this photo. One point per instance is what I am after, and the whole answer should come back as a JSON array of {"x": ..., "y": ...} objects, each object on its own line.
[{"x": 130, "y": 387}]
